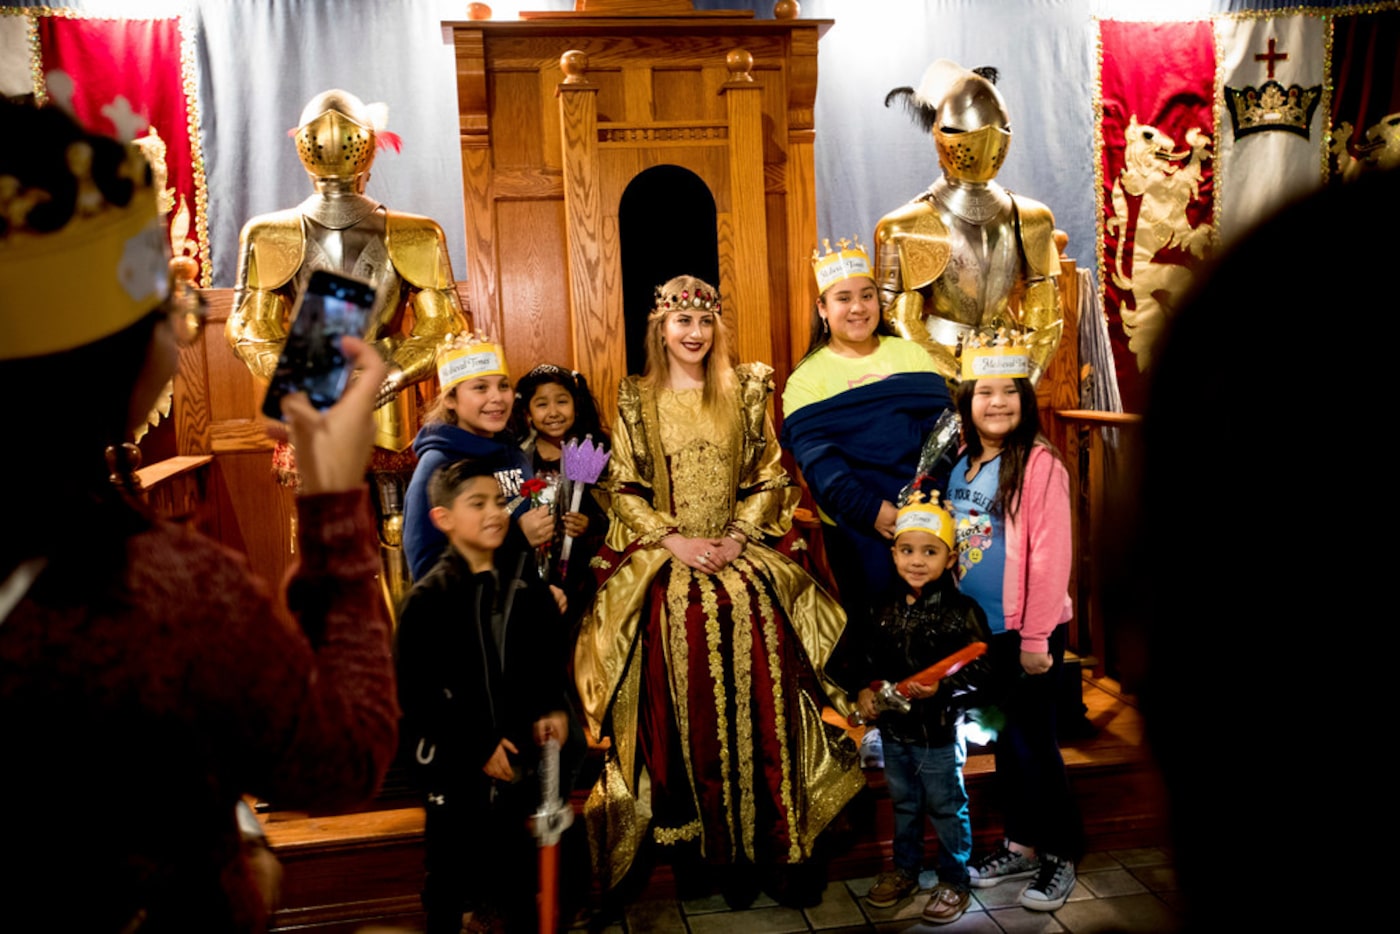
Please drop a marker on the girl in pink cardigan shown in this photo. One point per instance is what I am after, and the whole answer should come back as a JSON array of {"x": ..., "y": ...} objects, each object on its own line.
[{"x": 1010, "y": 498}]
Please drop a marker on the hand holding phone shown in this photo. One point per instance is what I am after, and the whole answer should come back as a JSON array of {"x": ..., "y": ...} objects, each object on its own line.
[
  {"x": 312, "y": 360},
  {"x": 333, "y": 446}
]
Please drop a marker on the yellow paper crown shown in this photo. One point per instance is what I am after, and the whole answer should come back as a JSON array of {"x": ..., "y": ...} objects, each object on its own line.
[
  {"x": 920, "y": 515},
  {"x": 1000, "y": 354},
  {"x": 101, "y": 272},
  {"x": 468, "y": 356},
  {"x": 835, "y": 265}
]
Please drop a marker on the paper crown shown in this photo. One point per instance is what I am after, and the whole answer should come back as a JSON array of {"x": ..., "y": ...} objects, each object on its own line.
[
  {"x": 995, "y": 354},
  {"x": 925, "y": 515},
  {"x": 467, "y": 356},
  {"x": 835, "y": 265},
  {"x": 100, "y": 272}
]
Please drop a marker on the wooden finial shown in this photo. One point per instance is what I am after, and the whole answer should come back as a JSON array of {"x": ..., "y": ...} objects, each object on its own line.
[
  {"x": 478, "y": 11},
  {"x": 574, "y": 64},
  {"x": 740, "y": 63},
  {"x": 787, "y": 9}
]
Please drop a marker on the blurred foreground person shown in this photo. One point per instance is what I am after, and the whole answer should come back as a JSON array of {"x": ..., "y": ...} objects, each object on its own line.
[
  {"x": 147, "y": 679},
  {"x": 1261, "y": 669}
]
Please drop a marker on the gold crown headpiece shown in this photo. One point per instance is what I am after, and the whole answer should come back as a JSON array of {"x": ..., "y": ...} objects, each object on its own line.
[
  {"x": 849, "y": 260},
  {"x": 925, "y": 515},
  {"x": 465, "y": 356},
  {"x": 696, "y": 299},
  {"x": 1000, "y": 353},
  {"x": 102, "y": 271}
]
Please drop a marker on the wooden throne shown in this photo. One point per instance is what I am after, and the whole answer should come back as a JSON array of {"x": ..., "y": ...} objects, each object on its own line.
[{"x": 600, "y": 145}]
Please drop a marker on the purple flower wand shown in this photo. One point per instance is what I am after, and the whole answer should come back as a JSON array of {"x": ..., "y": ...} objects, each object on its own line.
[{"x": 583, "y": 463}]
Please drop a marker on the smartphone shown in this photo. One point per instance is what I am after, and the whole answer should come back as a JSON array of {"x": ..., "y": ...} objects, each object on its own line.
[{"x": 311, "y": 361}]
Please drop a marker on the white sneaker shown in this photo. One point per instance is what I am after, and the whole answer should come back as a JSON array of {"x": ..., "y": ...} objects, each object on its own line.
[
  {"x": 1051, "y": 887},
  {"x": 1001, "y": 865}
]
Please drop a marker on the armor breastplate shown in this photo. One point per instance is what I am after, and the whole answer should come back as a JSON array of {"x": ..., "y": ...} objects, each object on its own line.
[
  {"x": 361, "y": 252},
  {"x": 984, "y": 265}
]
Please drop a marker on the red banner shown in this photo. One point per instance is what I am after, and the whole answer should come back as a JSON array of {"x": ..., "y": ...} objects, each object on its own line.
[
  {"x": 1156, "y": 128},
  {"x": 127, "y": 76}
]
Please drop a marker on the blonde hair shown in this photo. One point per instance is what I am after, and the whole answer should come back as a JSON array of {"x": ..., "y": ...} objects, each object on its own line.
[{"x": 719, "y": 362}]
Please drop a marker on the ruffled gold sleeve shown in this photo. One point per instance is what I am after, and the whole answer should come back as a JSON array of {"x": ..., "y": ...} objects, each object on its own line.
[{"x": 630, "y": 481}]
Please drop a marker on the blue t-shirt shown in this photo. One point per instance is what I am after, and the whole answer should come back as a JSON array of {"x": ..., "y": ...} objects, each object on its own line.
[{"x": 981, "y": 542}]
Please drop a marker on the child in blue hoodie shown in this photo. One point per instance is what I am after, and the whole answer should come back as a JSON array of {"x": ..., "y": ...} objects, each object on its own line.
[{"x": 467, "y": 421}]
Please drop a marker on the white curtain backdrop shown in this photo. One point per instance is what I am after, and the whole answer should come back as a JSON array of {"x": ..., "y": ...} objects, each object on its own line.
[{"x": 259, "y": 61}]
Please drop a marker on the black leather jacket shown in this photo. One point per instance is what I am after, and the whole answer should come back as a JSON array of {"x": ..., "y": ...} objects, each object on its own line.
[{"x": 906, "y": 638}]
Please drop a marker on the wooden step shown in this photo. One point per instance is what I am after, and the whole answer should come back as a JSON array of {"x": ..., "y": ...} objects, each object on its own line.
[{"x": 346, "y": 871}]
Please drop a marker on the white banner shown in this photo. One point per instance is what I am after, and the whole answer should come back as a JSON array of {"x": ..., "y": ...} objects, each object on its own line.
[
  {"x": 15, "y": 77},
  {"x": 1272, "y": 106}
]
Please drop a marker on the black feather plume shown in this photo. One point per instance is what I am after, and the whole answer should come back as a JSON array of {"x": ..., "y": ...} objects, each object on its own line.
[
  {"x": 989, "y": 72},
  {"x": 925, "y": 115}
]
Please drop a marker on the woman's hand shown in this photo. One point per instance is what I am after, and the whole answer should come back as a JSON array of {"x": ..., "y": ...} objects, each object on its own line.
[
  {"x": 726, "y": 550},
  {"x": 561, "y": 599},
  {"x": 884, "y": 521},
  {"x": 701, "y": 554},
  {"x": 575, "y": 524},
  {"x": 332, "y": 447},
  {"x": 538, "y": 525},
  {"x": 498, "y": 766},
  {"x": 1035, "y": 663}
]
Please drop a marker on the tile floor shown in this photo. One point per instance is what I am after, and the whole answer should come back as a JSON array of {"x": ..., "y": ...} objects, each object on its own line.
[{"x": 1118, "y": 890}]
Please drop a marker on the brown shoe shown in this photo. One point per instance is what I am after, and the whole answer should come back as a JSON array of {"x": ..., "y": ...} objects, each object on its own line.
[
  {"x": 946, "y": 904},
  {"x": 889, "y": 888}
]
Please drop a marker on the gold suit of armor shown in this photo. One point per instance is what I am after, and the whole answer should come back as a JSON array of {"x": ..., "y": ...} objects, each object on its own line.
[
  {"x": 967, "y": 254},
  {"x": 403, "y": 256},
  {"x": 941, "y": 275}
]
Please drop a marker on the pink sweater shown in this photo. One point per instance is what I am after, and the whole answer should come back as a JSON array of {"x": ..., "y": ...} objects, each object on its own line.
[{"x": 1039, "y": 549}]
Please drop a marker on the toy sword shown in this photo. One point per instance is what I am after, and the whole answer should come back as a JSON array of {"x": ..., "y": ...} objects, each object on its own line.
[
  {"x": 896, "y": 696},
  {"x": 549, "y": 823}
]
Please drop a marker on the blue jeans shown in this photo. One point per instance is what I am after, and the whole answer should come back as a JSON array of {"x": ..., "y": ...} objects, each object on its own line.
[{"x": 929, "y": 778}]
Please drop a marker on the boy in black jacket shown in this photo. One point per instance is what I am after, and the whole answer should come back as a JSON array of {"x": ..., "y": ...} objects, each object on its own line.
[
  {"x": 922, "y": 620},
  {"x": 482, "y": 677}
]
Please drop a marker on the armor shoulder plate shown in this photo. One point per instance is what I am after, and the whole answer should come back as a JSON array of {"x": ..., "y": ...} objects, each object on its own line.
[
  {"x": 1037, "y": 236},
  {"x": 418, "y": 250},
  {"x": 921, "y": 237},
  {"x": 275, "y": 245}
]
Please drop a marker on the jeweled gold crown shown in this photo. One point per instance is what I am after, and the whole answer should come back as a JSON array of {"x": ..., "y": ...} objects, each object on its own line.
[
  {"x": 1000, "y": 353},
  {"x": 698, "y": 297},
  {"x": 925, "y": 515},
  {"x": 461, "y": 357},
  {"x": 850, "y": 259},
  {"x": 1271, "y": 106},
  {"x": 101, "y": 272}
]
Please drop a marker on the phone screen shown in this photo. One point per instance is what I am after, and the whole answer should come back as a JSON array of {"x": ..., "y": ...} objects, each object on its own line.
[{"x": 311, "y": 362}]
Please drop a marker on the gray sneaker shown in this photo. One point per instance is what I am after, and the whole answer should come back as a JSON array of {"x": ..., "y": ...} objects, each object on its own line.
[
  {"x": 1051, "y": 887},
  {"x": 1001, "y": 865}
]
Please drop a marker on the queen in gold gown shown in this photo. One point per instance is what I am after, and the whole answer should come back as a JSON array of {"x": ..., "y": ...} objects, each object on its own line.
[{"x": 702, "y": 656}]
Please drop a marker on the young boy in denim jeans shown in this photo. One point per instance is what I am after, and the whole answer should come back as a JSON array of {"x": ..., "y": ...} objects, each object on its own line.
[{"x": 920, "y": 621}]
